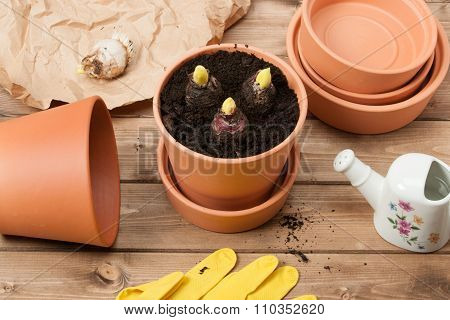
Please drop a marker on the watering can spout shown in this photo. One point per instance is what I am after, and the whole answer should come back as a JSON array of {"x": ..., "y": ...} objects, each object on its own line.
[{"x": 361, "y": 176}]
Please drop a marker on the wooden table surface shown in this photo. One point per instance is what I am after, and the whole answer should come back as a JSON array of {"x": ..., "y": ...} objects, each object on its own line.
[{"x": 347, "y": 259}]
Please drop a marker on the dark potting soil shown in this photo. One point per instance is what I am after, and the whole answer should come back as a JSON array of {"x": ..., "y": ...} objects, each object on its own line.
[
  {"x": 191, "y": 126},
  {"x": 302, "y": 257}
]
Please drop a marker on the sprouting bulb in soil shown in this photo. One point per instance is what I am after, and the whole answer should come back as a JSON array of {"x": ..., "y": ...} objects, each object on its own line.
[
  {"x": 229, "y": 121},
  {"x": 259, "y": 92},
  {"x": 203, "y": 90}
]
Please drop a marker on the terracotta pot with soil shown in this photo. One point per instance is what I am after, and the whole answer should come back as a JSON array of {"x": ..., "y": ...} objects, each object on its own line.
[
  {"x": 229, "y": 116},
  {"x": 68, "y": 185}
]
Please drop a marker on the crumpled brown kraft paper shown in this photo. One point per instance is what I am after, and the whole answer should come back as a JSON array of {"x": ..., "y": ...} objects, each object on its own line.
[{"x": 42, "y": 44}]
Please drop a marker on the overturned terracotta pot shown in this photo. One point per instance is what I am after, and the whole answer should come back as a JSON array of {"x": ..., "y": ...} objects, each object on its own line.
[
  {"x": 229, "y": 184},
  {"x": 59, "y": 175}
]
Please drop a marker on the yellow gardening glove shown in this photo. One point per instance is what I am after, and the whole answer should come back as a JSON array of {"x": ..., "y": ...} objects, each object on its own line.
[
  {"x": 238, "y": 285},
  {"x": 206, "y": 275},
  {"x": 306, "y": 297},
  {"x": 259, "y": 280},
  {"x": 192, "y": 286},
  {"x": 277, "y": 285},
  {"x": 156, "y": 290}
]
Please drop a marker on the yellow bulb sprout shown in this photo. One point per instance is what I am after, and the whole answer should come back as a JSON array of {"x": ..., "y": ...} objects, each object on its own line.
[
  {"x": 228, "y": 106},
  {"x": 201, "y": 76},
  {"x": 264, "y": 78}
]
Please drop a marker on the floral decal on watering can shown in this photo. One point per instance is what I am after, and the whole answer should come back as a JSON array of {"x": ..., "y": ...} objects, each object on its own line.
[{"x": 405, "y": 222}]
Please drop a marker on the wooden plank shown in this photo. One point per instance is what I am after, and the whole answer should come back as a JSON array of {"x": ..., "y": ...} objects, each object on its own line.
[
  {"x": 99, "y": 275},
  {"x": 137, "y": 141},
  {"x": 335, "y": 219},
  {"x": 138, "y": 138},
  {"x": 265, "y": 27}
]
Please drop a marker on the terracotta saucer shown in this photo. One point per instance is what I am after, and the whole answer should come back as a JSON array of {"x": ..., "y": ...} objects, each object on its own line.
[
  {"x": 395, "y": 96},
  {"x": 364, "y": 119},
  {"x": 367, "y": 46},
  {"x": 228, "y": 221}
]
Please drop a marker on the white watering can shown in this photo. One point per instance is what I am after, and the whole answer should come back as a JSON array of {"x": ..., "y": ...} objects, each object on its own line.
[{"x": 411, "y": 203}]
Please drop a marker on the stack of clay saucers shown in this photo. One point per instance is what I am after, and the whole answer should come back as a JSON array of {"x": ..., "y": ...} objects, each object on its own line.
[{"x": 369, "y": 66}]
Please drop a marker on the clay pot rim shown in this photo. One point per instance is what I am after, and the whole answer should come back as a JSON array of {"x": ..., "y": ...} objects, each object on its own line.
[
  {"x": 97, "y": 102},
  {"x": 418, "y": 62},
  {"x": 291, "y": 175},
  {"x": 302, "y": 100},
  {"x": 442, "y": 51},
  {"x": 418, "y": 79}
]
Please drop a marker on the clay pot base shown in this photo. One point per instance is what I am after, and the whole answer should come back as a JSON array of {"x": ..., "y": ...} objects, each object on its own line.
[
  {"x": 391, "y": 97},
  {"x": 228, "y": 221}
]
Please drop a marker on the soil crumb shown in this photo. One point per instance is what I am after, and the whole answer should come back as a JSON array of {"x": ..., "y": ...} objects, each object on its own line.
[
  {"x": 202, "y": 270},
  {"x": 293, "y": 224},
  {"x": 302, "y": 257}
]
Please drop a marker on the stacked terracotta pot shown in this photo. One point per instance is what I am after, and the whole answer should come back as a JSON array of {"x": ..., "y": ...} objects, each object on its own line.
[
  {"x": 229, "y": 195},
  {"x": 370, "y": 66}
]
